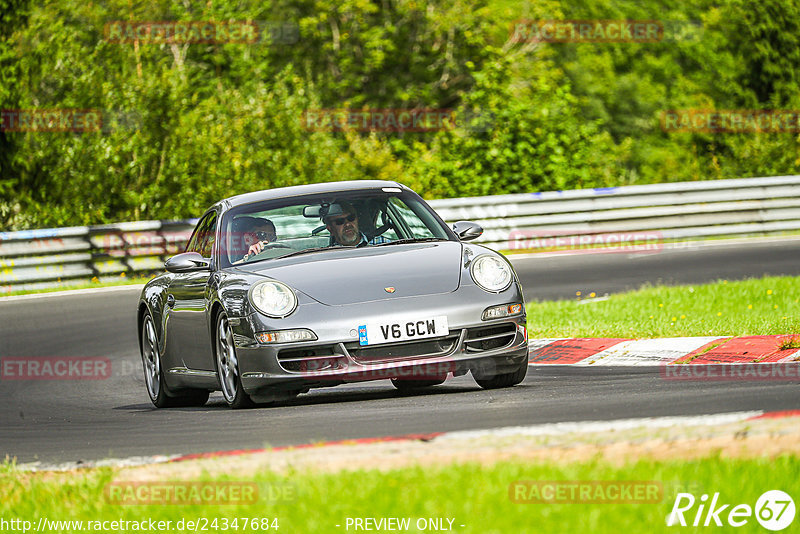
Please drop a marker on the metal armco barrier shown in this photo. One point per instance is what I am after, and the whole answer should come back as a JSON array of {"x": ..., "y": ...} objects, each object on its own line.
[
  {"x": 641, "y": 213},
  {"x": 663, "y": 212},
  {"x": 38, "y": 259}
]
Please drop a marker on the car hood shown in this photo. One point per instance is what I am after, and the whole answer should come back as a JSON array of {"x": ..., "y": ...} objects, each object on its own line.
[{"x": 343, "y": 276}]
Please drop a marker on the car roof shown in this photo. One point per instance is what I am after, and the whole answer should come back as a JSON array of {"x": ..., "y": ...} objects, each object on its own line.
[{"x": 309, "y": 189}]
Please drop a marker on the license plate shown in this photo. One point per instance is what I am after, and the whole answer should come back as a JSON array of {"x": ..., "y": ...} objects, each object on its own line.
[{"x": 406, "y": 330}]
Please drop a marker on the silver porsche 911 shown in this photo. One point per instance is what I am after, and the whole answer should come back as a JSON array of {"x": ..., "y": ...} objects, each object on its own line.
[{"x": 284, "y": 290}]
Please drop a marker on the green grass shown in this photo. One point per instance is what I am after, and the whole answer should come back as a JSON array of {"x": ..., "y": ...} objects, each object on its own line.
[
  {"x": 789, "y": 343},
  {"x": 763, "y": 306},
  {"x": 476, "y": 496}
]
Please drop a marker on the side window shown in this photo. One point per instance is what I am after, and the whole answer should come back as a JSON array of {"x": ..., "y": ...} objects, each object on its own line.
[
  {"x": 209, "y": 235},
  {"x": 202, "y": 240},
  {"x": 391, "y": 232},
  {"x": 415, "y": 225}
]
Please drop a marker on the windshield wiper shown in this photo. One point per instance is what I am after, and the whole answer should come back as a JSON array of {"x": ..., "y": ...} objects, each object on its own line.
[
  {"x": 294, "y": 253},
  {"x": 304, "y": 251},
  {"x": 318, "y": 249}
]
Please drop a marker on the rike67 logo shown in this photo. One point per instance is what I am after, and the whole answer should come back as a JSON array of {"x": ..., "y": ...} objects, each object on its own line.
[{"x": 774, "y": 510}]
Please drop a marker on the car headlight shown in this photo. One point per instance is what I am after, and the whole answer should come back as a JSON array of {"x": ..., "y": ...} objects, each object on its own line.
[
  {"x": 274, "y": 299},
  {"x": 491, "y": 273}
]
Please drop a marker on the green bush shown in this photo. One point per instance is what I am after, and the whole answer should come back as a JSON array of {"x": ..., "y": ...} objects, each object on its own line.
[{"x": 189, "y": 124}]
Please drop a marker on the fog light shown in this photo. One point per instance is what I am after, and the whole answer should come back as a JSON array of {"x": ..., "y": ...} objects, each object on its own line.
[
  {"x": 286, "y": 336},
  {"x": 505, "y": 310}
]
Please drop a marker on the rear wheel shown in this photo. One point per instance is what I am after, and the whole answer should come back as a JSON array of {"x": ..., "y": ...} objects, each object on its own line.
[
  {"x": 157, "y": 389},
  {"x": 408, "y": 385},
  {"x": 504, "y": 380},
  {"x": 230, "y": 379}
]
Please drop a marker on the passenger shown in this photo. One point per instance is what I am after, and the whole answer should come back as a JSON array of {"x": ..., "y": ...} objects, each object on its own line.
[{"x": 254, "y": 233}]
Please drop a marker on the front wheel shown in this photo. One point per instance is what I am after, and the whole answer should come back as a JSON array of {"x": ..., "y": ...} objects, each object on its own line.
[
  {"x": 157, "y": 390},
  {"x": 230, "y": 379},
  {"x": 504, "y": 380}
]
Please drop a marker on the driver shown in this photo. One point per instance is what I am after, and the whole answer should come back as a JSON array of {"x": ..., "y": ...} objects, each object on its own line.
[
  {"x": 255, "y": 233},
  {"x": 344, "y": 230}
]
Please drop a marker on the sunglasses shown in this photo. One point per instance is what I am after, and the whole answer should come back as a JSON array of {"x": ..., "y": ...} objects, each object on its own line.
[{"x": 341, "y": 221}]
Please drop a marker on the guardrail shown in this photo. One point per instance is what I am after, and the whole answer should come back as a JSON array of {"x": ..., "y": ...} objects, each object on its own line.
[
  {"x": 586, "y": 217},
  {"x": 663, "y": 212},
  {"x": 53, "y": 257}
]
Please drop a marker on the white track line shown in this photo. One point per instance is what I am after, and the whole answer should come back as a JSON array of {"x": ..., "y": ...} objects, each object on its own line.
[
  {"x": 133, "y": 461},
  {"x": 792, "y": 357},
  {"x": 549, "y": 429},
  {"x": 71, "y": 292},
  {"x": 536, "y": 344},
  {"x": 647, "y": 351}
]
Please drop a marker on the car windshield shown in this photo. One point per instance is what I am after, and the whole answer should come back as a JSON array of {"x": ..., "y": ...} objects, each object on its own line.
[{"x": 309, "y": 224}]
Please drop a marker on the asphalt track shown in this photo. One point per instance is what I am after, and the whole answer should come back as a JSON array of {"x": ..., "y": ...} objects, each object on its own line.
[{"x": 55, "y": 421}]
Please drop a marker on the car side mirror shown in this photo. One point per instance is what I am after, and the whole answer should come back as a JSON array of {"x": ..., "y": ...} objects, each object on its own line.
[
  {"x": 187, "y": 262},
  {"x": 466, "y": 230}
]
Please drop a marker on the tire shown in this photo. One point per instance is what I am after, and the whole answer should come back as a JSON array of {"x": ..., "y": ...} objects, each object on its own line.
[
  {"x": 505, "y": 380},
  {"x": 227, "y": 365},
  {"x": 408, "y": 385},
  {"x": 157, "y": 389}
]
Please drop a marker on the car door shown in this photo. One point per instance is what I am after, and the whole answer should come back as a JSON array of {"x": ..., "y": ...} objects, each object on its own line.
[{"x": 189, "y": 335}]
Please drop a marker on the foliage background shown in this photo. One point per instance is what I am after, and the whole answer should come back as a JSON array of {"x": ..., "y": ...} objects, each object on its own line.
[{"x": 205, "y": 121}]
